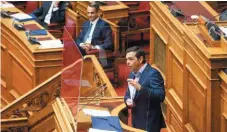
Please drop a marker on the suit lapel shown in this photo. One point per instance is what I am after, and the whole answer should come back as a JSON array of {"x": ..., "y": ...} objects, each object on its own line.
[
  {"x": 97, "y": 26},
  {"x": 48, "y": 5},
  {"x": 143, "y": 77}
]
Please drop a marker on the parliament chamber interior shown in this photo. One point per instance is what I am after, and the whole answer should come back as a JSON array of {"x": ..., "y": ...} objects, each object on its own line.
[{"x": 48, "y": 85}]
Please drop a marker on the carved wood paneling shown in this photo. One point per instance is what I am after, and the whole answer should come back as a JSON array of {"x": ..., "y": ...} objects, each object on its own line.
[{"x": 196, "y": 104}]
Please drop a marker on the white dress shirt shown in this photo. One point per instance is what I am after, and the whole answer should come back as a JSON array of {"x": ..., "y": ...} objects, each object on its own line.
[
  {"x": 132, "y": 89},
  {"x": 89, "y": 38},
  {"x": 49, "y": 14}
]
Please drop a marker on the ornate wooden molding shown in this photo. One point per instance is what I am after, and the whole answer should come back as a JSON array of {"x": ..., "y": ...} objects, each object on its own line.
[{"x": 34, "y": 100}]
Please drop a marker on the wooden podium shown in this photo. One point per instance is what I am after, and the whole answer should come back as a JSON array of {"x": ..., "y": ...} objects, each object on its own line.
[
  {"x": 192, "y": 63},
  {"x": 24, "y": 65}
]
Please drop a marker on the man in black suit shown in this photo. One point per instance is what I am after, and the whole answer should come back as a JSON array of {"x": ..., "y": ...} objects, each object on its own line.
[
  {"x": 51, "y": 12},
  {"x": 96, "y": 33}
]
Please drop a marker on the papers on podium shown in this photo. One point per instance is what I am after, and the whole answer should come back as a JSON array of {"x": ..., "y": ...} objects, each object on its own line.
[
  {"x": 97, "y": 130},
  {"x": 94, "y": 112},
  {"x": 50, "y": 44},
  {"x": 224, "y": 30},
  {"x": 22, "y": 17}
]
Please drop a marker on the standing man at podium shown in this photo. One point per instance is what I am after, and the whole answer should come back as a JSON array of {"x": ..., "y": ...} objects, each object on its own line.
[
  {"x": 145, "y": 92},
  {"x": 96, "y": 33}
]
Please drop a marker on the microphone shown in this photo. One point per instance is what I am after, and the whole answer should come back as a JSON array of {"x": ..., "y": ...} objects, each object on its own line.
[
  {"x": 18, "y": 26},
  {"x": 32, "y": 40},
  {"x": 223, "y": 16},
  {"x": 5, "y": 14},
  {"x": 214, "y": 31},
  {"x": 176, "y": 12}
]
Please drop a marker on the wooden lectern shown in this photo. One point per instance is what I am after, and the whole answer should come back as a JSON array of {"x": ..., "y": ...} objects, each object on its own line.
[{"x": 192, "y": 63}]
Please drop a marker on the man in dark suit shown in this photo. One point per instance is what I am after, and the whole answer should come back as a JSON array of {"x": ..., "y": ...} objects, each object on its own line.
[
  {"x": 51, "y": 12},
  {"x": 145, "y": 92},
  {"x": 96, "y": 33}
]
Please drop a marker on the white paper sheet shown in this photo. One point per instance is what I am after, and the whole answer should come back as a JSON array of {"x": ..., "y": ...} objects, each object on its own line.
[
  {"x": 98, "y": 130},
  {"x": 8, "y": 5},
  {"x": 50, "y": 44},
  {"x": 224, "y": 29},
  {"x": 21, "y": 16},
  {"x": 95, "y": 112}
]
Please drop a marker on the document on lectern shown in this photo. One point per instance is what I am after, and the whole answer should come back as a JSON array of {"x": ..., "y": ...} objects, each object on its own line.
[
  {"x": 50, "y": 44},
  {"x": 94, "y": 112}
]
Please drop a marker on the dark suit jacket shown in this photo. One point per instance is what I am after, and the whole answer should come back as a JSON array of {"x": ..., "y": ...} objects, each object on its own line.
[
  {"x": 58, "y": 16},
  {"x": 101, "y": 36},
  {"x": 147, "y": 114}
]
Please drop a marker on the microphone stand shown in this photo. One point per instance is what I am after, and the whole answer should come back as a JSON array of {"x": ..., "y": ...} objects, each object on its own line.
[{"x": 102, "y": 87}]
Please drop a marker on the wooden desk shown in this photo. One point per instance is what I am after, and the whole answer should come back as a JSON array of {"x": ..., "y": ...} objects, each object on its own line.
[
  {"x": 24, "y": 65},
  {"x": 191, "y": 70},
  {"x": 113, "y": 11}
]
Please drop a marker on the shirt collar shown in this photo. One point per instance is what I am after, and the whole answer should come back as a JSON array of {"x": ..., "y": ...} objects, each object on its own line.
[
  {"x": 140, "y": 70},
  {"x": 95, "y": 21}
]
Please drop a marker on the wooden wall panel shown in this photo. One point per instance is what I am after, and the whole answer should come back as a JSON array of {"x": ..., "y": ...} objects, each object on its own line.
[
  {"x": 46, "y": 125},
  {"x": 223, "y": 102},
  {"x": 174, "y": 125},
  {"x": 176, "y": 76},
  {"x": 3, "y": 62},
  {"x": 196, "y": 104},
  {"x": 45, "y": 72},
  {"x": 6, "y": 97},
  {"x": 22, "y": 83},
  {"x": 175, "y": 83}
]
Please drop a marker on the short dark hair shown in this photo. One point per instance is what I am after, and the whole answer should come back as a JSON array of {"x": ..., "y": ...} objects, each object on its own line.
[
  {"x": 94, "y": 5},
  {"x": 138, "y": 52}
]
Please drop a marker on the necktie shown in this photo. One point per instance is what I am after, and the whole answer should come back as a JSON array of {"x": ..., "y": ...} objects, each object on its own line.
[{"x": 88, "y": 32}]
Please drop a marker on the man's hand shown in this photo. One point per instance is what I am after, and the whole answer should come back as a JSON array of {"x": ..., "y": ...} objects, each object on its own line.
[
  {"x": 129, "y": 102},
  {"x": 56, "y": 3},
  {"x": 135, "y": 84},
  {"x": 86, "y": 46}
]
